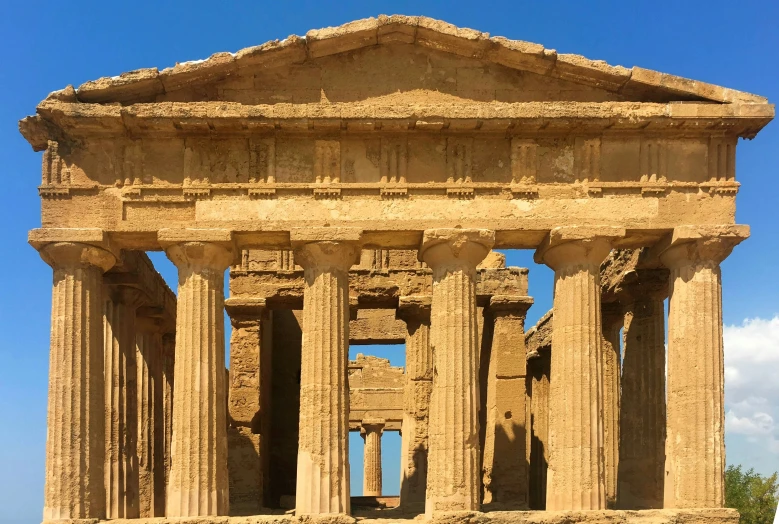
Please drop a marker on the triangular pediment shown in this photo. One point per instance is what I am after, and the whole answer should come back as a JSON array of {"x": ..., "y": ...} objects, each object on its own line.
[{"x": 397, "y": 59}]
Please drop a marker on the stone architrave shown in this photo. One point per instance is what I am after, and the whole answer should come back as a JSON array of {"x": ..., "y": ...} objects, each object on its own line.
[
  {"x": 371, "y": 431},
  {"x": 122, "y": 474},
  {"x": 576, "y": 473},
  {"x": 695, "y": 446},
  {"x": 415, "y": 311},
  {"x": 505, "y": 458},
  {"x": 323, "y": 446},
  {"x": 642, "y": 405},
  {"x": 453, "y": 431},
  {"x": 244, "y": 457},
  {"x": 197, "y": 482},
  {"x": 611, "y": 322},
  {"x": 74, "y": 487}
]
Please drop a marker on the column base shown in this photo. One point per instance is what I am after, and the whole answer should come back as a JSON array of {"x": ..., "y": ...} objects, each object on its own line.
[{"x": 649, "y": 516}]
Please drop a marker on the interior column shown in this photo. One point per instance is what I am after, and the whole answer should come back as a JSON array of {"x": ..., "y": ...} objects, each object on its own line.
[
  {"x": 198, "y": 483},
  {"x": 323, "y": 445},
  {"x": 75, "y": 444},
  {"x": 695, "y": 447},
  {"x": 576, "y": 473},
  {"x": 371, "y": 431},
  {"x": 612, "y": 320},
  {"x": 453, "y": 433},
  {"x": 505, "y": 463},
  {"x": 415, "y": 311}
]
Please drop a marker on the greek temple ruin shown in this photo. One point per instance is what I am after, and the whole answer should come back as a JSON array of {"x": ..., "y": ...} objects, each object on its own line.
[{"x": 360, "y": 184}]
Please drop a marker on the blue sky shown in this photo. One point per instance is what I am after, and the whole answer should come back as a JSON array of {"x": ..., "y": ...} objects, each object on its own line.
[{"x": 47, "y": 45}]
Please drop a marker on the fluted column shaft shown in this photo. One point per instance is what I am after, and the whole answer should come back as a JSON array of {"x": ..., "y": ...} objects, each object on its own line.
[
  {"x": 539, "y": 371},
  {"x": 75, "y": 447},
  {"x": 371, "y": 434},
  {"x": 642, "y": 417},
  {"x": 612, "y": 320},
  {"x": 151, "y": 425},
  {"x": 197, "y": 483},
  {"x": 323, "y": 445},
  {"x": 576, "y": 473},
  {"x": 695, "y": 447},
  {"x": 415, "y": 311},
  {"x": 453, "y": 432},
  {"x": 121, "y": 427},
  {"x": 505, "y": 459}
]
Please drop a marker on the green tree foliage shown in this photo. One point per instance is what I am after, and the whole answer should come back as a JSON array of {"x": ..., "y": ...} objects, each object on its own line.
[{"x": 752, "y": 494}]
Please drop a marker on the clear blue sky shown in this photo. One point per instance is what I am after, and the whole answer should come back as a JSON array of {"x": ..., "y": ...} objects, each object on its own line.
[{"x": 47, "y": 45}]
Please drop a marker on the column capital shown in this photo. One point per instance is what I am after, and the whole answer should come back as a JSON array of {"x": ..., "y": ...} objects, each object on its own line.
[
  {"x": 568, "y": 245},
  {"x": 514, "y": 305},
  {"x": 63, "y": 255},
  {"x": 611, "y": 315},
  {"x": 447, "y": 246},
  {"x": 370, "y": 425},
  {"x": 694, "y": 244},
  {"x": 414, "y": 307},
  {"x": 243, "y": 307},
  {"x": 324, "y": 247},
  {"x": 199, "y": 256}
]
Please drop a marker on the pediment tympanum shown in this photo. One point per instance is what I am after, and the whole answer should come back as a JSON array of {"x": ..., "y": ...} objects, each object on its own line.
[{"x": 393, "y": 124}]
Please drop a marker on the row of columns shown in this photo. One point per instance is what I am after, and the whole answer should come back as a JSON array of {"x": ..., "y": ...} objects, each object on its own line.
[{"x": 198, "y": 482}]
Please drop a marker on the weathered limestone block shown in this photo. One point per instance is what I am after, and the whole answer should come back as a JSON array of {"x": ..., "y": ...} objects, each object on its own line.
[
  {"x": 415, "y": 311},
  {"x": 538, "y": 449},
  {"x": 642, "y": 408},
  {"x": 453, "y": 431},
  {"x": 323, "y": 449},
  {"x": 244, "y": 454},
  {"x": 576, "y": 474},
  {"x": 371, "y": 432},
  {"x": 695, "y": 447},
  {"x": 612, "y": 320},
  {"x": 75, "y": 457},
  {"x": 198, "y": 482},
  {"x": 122, "y": 475},
  {"x": 505, "y": 458},
  {"x": 168, "y": 366}
]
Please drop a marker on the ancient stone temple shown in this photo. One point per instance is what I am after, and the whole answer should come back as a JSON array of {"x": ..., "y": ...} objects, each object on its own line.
[{"x": 355, "y": 183}]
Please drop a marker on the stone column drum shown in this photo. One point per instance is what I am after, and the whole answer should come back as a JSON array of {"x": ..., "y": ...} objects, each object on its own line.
[
  {"x": 453, "y": 432},
  {"x": 197, "y": 483},
  {"x": 75, "y": 447},
  {"x": 612, "y": 320},
  {"x": 576, "y": 474},
  {"x": 642, "y": 408},
  {"x": 505, "y": 463},
  {"x": 371, "y": 431},
  {"x": 323, "y": 446},
  {"x": 695, "y": 447},
  {"x": 415, "y": 311}
]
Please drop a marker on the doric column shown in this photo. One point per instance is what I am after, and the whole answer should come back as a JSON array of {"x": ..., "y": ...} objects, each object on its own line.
[
  {"x": 415, "y": 311},
  {"x": 168, "y": 365},
  {"x": 538, "y": 367},
  {"x": 151, "y": 423},
  {"x": 371, "y": 431},
  {"x": 244, "y": 455},
  {"x": 453, "y": 432},
  {"x": 197, "y": 483},
  {"x": 122, "y": 479},
  {"x": 695, "y": 448},
  {"x": 505, "y": 459},
  {"x": 642, "y": 408},
  {"x": 612, "y": 320},
  {"x": 576, "y": 474},
  {"x": 323, "y": 446},
  {"x": 75, "y": 447}
]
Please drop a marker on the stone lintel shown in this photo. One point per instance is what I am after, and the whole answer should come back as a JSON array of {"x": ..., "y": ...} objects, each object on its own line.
[
  {"x": 560, "y": 236},
  {"x": 168, "y": 237},
  {"x": 300, "y": 236}
]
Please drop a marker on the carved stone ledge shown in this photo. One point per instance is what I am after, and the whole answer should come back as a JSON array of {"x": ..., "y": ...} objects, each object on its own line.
[
  {"x": 327, "y": 192},
  {"x": 463, "y": 193},
  {"x": 654, "y": 190},
  {"x": 523, "y": 191},
  {"x": 53, "y": 192},
  {"x": 393, "y": 192},
  {"x": 197, "y": 192},
  {"x": 262, "y": 192}
]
